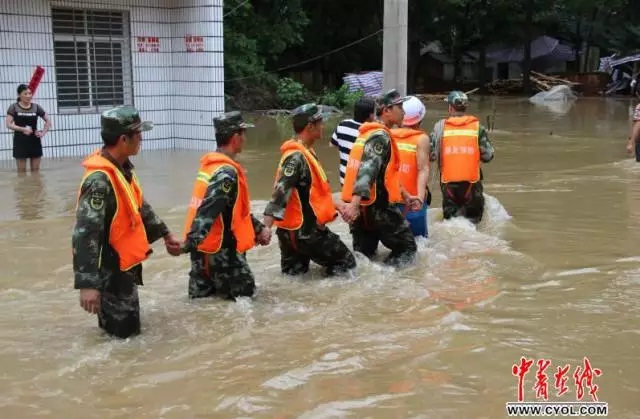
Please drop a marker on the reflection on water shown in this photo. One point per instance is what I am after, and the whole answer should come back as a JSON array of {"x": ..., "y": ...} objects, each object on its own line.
[
  {"x": 553, "y": 271},
  {"x": 30, "y": 196}
]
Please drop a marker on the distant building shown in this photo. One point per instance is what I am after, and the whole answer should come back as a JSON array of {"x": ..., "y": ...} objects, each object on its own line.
[
  {"x": 548, "y": 55},
  {"x": 163, "y": 56}
]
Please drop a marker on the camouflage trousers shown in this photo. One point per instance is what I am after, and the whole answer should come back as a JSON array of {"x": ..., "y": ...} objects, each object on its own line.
[
  {"x": 119, "y": 313},
  {"x": 463, "y": 199},
  {"x": 386, "y": 225},
  {"x": 225, "y": 274},
  {"x": 321, "y": 245}
]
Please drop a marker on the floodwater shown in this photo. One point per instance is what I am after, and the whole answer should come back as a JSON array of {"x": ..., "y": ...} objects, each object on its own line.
[{"x": 553, "y": 272}]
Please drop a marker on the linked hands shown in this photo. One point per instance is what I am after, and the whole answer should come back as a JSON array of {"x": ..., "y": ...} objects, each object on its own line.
[
  {"x": 264, "y": 237},
  {"x": 173, "y": 245},
  {"x": 412, "y": 202}
]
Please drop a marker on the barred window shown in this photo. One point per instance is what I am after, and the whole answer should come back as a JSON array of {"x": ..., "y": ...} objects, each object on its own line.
[{"x": 92, "y": 59}]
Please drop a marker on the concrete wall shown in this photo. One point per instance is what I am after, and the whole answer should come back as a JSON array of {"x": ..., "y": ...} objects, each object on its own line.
[{"x": 179, "y": 91}]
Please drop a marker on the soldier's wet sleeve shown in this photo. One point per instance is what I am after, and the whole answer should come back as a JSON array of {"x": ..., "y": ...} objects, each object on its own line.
[
  {"x": 435, "y": 137},
  {"x": 486, "y": 149},
  {"x": 220, "y": 195},
  {"x": 376, "y": 151},
  {"x": 257, "y": 225},
  {"x": 291, "y": 171},
  {"x": 155, "y": 227},
  {"x": 89, "y": 232}
]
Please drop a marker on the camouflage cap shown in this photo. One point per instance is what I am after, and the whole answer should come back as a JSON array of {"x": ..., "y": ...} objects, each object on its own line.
[
  {"x": 391, "y": 98},
  {"x": 229, "y": 123},
  {"x": 457, "y": 99},
  {"x": 123, "y": 120},
  {"x": 305, "y": 114}
]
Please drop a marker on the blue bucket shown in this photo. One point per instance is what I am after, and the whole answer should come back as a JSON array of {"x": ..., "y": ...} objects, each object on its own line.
[{"x": 417, "y": 220}]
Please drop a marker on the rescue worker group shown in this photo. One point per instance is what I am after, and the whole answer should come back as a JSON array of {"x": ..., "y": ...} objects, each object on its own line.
[{"x": 384, "y": 198}]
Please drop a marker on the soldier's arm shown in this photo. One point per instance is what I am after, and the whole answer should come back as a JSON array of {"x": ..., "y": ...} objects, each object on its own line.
[
  {"x": 257, "y": 224},
  {"x": 290, "y": 173},
  {"x": 220, "y": 195},
  {"x": 435, "y": 138},
  {"x": 155, "y": 227},
  {"x": 486, "y": 149},
  {"x": 375, "y": 152},
  {"x": 422, "y": 157},
  {"x": 89, "y": 233}
]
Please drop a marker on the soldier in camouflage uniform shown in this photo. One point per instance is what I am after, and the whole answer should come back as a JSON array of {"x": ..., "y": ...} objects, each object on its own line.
[
  {"x": 105, "y": 289},
  {"x": 461, "y": 198},
  {"x": 312, "y": 240},
  {"x": 381, "y": 221},
  {"x": 224, "y": 273}
]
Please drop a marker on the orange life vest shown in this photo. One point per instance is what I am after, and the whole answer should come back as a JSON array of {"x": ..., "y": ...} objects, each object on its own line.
[
  {"x": 459, "y": 150},
  {"x": 127, "y": 234},
  {"x": 241, "y": 224},
  {"x": 407, "y": 140},
  {"x": 320, "y": 197},
  {"x": 391, "y": 174}
]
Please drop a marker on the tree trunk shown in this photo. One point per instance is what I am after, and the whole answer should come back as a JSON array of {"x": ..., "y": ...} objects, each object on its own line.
[
  {"x": 526, "y": 64},
  {"x": 456, "y": 67},
  {"x": 459, "y": 49},
  {"x": 594, "y": 15},
  {"x": 482, "y": 58},
  {"x": 413, "y": 63},
  {"x": 413, "y": 48},
  {"x": 578, "y": 44},
  {"x": 482, "y": 63}
]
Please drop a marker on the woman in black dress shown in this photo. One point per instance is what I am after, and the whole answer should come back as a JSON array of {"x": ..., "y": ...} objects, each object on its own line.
[{"x": 22, "y": 118}]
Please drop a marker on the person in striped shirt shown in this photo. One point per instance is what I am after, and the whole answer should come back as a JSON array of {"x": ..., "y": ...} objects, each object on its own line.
[{"x": 346, "y": 132}]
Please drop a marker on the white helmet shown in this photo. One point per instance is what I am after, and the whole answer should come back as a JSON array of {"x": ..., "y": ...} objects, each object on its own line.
[{"x": 414, "y": 111}]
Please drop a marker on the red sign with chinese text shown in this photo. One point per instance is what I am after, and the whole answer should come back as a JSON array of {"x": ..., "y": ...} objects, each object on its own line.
[
  {"x": 194, "y": 43},
  {"x": 148, "y": 44}
]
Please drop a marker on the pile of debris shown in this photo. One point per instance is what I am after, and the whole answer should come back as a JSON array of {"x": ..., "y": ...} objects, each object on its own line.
[
  {"x": 505, "y": 86},
  {"x": 539, "y": 81},
  {"x": 439, "y": 97},
  {"x": 543, "y": 82}
]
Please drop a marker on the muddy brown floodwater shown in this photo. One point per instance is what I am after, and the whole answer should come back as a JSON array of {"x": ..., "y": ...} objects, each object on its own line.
[{"x": 553, "y": 272}]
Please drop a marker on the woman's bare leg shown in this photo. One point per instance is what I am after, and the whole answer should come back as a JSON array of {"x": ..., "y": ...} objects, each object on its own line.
[
  {"x": 35, "y": 164},
  {"x": 22, "y": 165}
]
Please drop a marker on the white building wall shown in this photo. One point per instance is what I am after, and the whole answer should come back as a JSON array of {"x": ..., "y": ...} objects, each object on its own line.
[
  {"x": 179, "y": 91},
  {"x": 198, "y": 88}
]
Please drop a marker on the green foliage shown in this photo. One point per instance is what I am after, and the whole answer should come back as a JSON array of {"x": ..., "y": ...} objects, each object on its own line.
[
  {"x": 290, "y": 93},
  {"x": 332, "y": 25},
  {"x": 341, "y": 98},
  {"x": 255, "y": 35},
  {"x": 268, "y": 34}
]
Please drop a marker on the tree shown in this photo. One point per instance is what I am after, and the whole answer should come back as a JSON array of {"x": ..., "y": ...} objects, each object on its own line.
[
  {"x": 334, "y": 24},
  {"x": 269, "y": 34},
  {"x": 256, "y": 33},
  {"x": 592, "y": 22}
]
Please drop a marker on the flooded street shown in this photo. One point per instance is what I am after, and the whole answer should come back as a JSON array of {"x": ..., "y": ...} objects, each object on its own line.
[{"x": 552, "y": 272}]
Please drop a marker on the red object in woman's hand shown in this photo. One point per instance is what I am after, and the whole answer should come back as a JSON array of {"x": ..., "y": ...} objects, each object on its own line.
[{"x": 38, "y": 74}]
